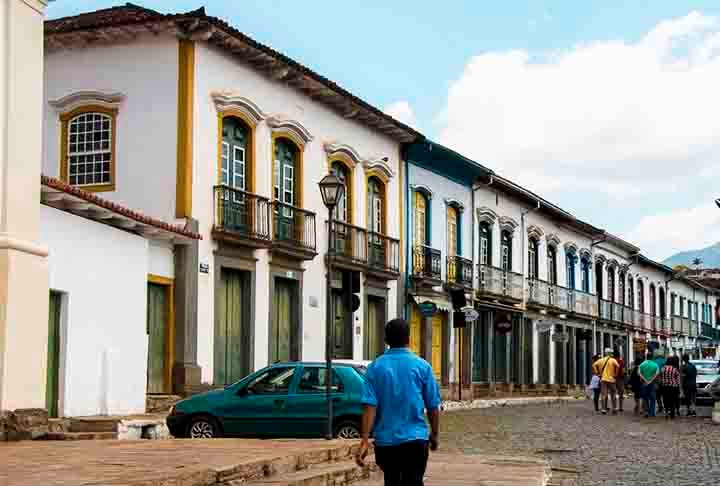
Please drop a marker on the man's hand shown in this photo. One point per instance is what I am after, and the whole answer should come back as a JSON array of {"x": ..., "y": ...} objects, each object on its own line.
[
  {"x": 362, "y": 452},
  {"x": 433, "y": 443}
]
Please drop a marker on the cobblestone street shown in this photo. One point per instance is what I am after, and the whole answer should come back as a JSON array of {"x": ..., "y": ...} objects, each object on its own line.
[{"x": 606, "y": 450}]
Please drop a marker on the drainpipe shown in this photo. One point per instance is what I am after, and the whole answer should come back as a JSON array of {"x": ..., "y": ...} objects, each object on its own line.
[{"x": 522, "y": 246}]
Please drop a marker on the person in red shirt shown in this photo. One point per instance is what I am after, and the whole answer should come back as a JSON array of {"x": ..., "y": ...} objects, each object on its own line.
[{"x": 620, "y": 379}]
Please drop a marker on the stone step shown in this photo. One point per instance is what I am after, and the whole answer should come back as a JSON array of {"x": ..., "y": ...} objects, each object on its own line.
[
  {"x": 160, "y": 403},
  {"x": 80, "y": 436},
  {"x": 94, "y": 424},
  {"x": 334, "y": 473}
]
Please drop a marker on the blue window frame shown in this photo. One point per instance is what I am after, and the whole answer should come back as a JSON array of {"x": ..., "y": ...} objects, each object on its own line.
[
  {"x": 570, "y": 261},
  {"x": 585, "y": 268}
]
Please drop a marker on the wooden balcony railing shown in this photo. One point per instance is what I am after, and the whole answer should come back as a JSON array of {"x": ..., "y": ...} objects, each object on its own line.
[
  {"x": 499, "y": 282},
  {"x": 426, "y": 263},
  {"x": 242, "y": 214},
  {"x": 294, "y": 226},
  {"x": 383, "y": 252},
  {"x": 459, "y": 271},
  {"x": 348, "y": 243}
]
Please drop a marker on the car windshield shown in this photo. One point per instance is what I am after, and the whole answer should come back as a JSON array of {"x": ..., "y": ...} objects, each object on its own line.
[{"x": 362, "y": 370}]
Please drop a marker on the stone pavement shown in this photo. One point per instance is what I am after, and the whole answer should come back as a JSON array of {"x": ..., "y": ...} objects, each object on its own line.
[{"x": 605, "y": 449}]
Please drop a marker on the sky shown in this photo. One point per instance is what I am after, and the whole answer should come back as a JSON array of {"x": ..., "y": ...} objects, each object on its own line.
[{"x": 609, "y": 109}]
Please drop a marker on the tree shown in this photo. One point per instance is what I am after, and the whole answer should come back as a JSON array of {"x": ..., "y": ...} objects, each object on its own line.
[
  {"x": 697, "y": 261},
  {"x": 680, "y": 268}
]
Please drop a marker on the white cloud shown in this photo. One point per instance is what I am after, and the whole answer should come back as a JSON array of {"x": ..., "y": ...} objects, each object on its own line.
[
  {"x": 401, "y": 111},
  {"x": 663, "y": 235},
  {"x": 625, "y": 119}
]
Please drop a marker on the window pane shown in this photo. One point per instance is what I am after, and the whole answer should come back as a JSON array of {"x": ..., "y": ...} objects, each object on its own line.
[
  {"x": 273, "y": 381},
  {"x": 89, "y": 145},
  {"x": 313, "y": 381}
]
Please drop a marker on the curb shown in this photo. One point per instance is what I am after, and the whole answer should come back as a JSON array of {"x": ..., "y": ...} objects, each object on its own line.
[{"x": 449, "y": 406}]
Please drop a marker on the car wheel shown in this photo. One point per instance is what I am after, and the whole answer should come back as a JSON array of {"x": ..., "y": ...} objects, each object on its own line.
[
  {"x": 203, "y": 427},
  {"x": 347, "y": 429}
]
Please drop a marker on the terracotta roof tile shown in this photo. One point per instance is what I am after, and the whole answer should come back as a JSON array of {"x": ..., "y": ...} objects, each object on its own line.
[
  {"x": 116, "y": 208},
  {"x": 108, "y": 17}
]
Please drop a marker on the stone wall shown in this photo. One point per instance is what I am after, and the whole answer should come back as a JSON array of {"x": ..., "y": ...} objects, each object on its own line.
[{"x": 23, "y": 424}]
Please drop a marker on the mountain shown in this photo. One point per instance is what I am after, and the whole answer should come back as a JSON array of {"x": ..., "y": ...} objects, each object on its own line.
[{"x": 710, "y": 257}]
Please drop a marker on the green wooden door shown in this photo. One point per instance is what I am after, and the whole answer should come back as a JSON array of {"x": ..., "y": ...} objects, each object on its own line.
[
  {"x": 374, "y": 327},
  {"x": 53, "y": 355},
  {"x": 231, "y": 336},
  {"x": 285, "y": 188},
  {"x": 342, "y": 327},
  {"x": 157, "y": 337},
  {"x": 285, "y": 325}
]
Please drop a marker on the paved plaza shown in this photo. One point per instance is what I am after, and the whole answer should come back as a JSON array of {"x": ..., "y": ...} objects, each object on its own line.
[{"x": 606, "y": 450}]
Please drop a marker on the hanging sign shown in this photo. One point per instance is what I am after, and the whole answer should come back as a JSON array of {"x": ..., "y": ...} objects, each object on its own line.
[
  {"x": 471, "y": 315},
  {"x": 427, "y": 308},
  {"x": 204, "y": 268}
]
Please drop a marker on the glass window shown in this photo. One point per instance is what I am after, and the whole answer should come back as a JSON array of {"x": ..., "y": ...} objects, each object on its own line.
[
  {"x": 286, "y": 158},
  {"x": 341, "y": 211},
  {"x": 313, "y": 381},
  {"x": 631, "y": 293},
  {"x": 611, "y": 284},
  {"x": 641, "y": 296},
  {"x": 506, "y": 250},
  {"x": 376, "y": 195},
  {"x": 485, "y": 244},
  {"x": 89, "y": 149},
  {"x": 452, "y": 231},
  {"x": 233, "y": 156},
  {"x": 420, "y": 219},
  {"x": 653, "y": 308},
  {"x": 571, "y": 259},
  {"x": 273, "y": 381},
  {"x": 533, "y": 258},
  {"x": 552, "y": 264},
  {"x": 621, "y": 288},
  {"x": 585, "y": 268}
]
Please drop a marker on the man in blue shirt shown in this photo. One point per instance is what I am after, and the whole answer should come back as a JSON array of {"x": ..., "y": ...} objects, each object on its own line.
[{"x": 399, "y": 386}]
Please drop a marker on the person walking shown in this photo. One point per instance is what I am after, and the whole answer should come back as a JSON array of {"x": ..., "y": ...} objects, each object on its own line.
[
  {"x": 620, "y": 380},
  {"x": 636, "y": 384},
  {"x": 670, "y": 383},
  {"x": 688, "y": 379},
  {"x": 648, "y": 371},
  {"x": 607, "y": 369},
  {"x": 594, "y": 385},
  {"x": 399, "y": 385},
  {"x": 660, "y": 361}
]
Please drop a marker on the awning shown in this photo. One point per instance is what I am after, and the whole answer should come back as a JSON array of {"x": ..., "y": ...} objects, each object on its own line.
[{"x": 442, "y": 303}]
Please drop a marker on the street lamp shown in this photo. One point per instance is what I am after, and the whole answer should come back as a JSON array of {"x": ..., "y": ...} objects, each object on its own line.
[{"x": 331, "y": 189}]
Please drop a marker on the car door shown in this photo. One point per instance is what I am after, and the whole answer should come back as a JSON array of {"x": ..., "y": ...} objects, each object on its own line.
[
  {"x": 307, "y": 404},
  {"x": 259, "y": 407}
]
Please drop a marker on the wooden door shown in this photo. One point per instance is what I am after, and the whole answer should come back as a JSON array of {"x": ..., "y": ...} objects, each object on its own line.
[
  {"x": 231, "y": 337},
  {"x": 342, "y": 340},
  {"x": 157, "y": 330},
  {"x": 285, "y": 324},
  {"x": 374, "y": 337},
  {"x": 437, "y": 344},
  {"x": 53, "y": 356},
  {"x": 415, "y": 329}
]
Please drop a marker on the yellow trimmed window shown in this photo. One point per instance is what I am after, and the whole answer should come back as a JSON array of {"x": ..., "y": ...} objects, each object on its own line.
[
  {"x": 88, "y": 148},
  {"x": 420, "y": 219}
]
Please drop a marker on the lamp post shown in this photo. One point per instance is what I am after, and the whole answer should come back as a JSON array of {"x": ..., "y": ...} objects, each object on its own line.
[{"x": 331, "y": 189}]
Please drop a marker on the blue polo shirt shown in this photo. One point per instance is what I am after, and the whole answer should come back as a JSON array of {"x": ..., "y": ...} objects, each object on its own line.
[{"x": 401, "y": 386}]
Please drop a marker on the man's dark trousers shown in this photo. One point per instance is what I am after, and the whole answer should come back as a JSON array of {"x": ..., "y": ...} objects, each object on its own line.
[{"x": 403, "y": 464}]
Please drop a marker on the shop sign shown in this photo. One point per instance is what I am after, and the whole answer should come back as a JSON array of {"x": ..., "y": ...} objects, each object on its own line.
[
  {"x": 427, "y": 308},
  {"x": 471, "y": 315}
]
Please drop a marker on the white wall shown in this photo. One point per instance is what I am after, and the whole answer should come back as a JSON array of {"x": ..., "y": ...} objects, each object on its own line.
[
  {"x": 102, "y": 272},
  {"x": 216, "y": 71},
  {"x": 161, "y": 260},
  {"x": 146, "y": 72}
]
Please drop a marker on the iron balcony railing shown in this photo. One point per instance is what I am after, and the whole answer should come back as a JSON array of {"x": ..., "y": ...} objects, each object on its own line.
[
  {"x": 693, "y": 328},
  {"x": 294, "y": 226},
  {"x": 605, "y": 310},
  {"x": 585, "y": 303},
  {"x": 241, "y": 213},
  {"x": 426, "y": 262},
  {"x": 383, "y": 252},
  {"x": 348, "y": 243},
  {"x": 499, "y": 282},
  {"x": 459, "y": 271},
  {"x": 707, "y": 331},
  {"x": 676, "y": 324}
]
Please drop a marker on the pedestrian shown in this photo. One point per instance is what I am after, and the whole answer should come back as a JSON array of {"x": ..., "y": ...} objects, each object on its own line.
[
  {"x": 660, "y": 361},
  {"x": 607, "y": 368},
  {"x": 670, "y": 383},
  {"x": 688, "y": 378},
  {"x": 636, "y": 384},
  {"x": 399, "y": 385},
  {"x": 594, "y": 385},
  {"x": 648, "y": 371},
  {"x": 620, "y": 380}
]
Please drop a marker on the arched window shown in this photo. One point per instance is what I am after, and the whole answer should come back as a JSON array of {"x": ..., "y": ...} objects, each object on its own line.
[
  {"x": 88, "y": 148},
  {"x": 552, "y": 264},
  {"x": 653, "y": 302},
  {"x": 585, "y": 271},
  {"x": 453, "y": 231},
  {"x": 343, "y": 209},
  {"x": 621, "y": 288},
  {"x": 630, "y": 293},
  {"x": 422, "y": 236},
  {"x": 285, "y": 171},
  {"x": 235, "y": 153},
  {"x": 506, "y": 250},
  {"x": 611, "y": 283},
  {"x": 598, "y": 279},
  {"x": 641, "y": 296},
  {"x": 376, "y": 205},
  {"x": 570, "y": 261},
  {"x": 663, "y": 303},
  {"x": 485, "y": 243},
  {"x": 533, "y": 251}
]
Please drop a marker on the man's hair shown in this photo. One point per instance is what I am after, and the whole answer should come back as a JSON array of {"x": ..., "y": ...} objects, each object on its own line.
[
  {"x": 649, "y": 357},
  {"x": 397, "y": 333},
  {"x": 686, "y": 358}
]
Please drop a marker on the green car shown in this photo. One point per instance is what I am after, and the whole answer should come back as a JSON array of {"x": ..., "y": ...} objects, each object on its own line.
[{"x": 282, "y": 400}]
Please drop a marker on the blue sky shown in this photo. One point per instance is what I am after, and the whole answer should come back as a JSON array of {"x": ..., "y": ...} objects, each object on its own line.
[{"x": 448, "y": 66}]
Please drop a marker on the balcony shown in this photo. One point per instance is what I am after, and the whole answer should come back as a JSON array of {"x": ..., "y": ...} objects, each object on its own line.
[
  {"x": 707, "y": 331},
  {"x": 459, "y": 272},
  {"x": 692, "y": 328},
  {"x": 241, "y": 217},
  {"x": 585, "y": 304},
  {"x": 606, "y": 310},
  {"x": 496, "y": 282},
  {"x": 383, "y": 256},
  {"x": 426, "y": 265},
  {"x": 348, "y": 246},
  {"x": 676, "y": 324},
  {"x": 293, "y": 231}
]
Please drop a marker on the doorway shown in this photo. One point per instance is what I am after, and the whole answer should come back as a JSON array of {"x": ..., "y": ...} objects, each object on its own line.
[
  {"x": 285, "y": 326},
  {"x": 160, "y": 334},
  {"x": 52, "y": 383},
  {"x": 342, "y": 322},
  {"x": 232, "y": 331},
  {"x": 415, "y": 330},
  {"x": 374, "y": 327},
  {"x": 438, "y": 327}
]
